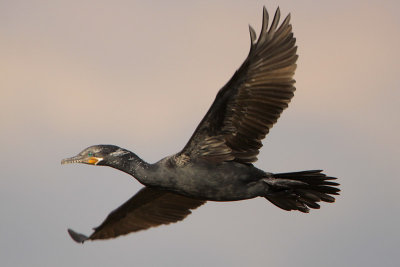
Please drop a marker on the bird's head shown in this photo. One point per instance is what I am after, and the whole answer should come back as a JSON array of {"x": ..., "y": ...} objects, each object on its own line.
[{"x": 97, "y": 155}]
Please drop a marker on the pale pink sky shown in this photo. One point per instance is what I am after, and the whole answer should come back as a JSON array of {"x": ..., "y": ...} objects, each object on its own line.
[{"x": 141, "y": 76}]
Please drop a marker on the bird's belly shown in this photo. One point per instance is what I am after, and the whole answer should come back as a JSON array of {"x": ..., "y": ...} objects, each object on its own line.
[{"x": 211, "y": 190}]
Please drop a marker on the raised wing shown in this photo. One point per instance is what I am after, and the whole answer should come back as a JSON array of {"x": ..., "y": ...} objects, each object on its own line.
[
  {"x": 246, "y": 108},
  {"x": 148, "y": 208}
]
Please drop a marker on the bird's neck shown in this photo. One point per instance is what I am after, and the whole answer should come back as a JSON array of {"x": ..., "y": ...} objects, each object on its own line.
[{"x": 129, "y": 163}]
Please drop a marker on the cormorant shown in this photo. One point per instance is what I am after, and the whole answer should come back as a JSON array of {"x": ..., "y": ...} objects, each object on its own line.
[{"x": 217, "y": 162}]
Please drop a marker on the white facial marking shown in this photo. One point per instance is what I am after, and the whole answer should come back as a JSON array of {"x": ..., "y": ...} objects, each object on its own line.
[
  {"x": 98, "y": 160},
  {"x": 119, "y": 153}
]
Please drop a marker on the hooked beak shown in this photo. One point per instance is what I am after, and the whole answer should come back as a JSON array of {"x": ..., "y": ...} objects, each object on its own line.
[{"x": 81, "y": 159}]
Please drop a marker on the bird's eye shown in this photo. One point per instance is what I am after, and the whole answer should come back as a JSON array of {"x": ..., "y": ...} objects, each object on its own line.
[{"x": 90, "y": 154}]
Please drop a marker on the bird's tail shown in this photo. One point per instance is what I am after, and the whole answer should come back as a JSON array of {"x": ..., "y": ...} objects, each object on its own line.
[{"x": 301, "y": 190}]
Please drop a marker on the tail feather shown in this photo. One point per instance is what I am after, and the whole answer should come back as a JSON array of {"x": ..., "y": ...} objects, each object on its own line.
[{"x": 301, "y": 190}]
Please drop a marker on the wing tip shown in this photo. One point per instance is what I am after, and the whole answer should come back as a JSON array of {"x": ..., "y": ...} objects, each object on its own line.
[
  {"x": 278, "y": 12},
  {"x": 265, "y": 19},
  {"x": 77, "y": 237},
  {"x": 253, "y": 35}
]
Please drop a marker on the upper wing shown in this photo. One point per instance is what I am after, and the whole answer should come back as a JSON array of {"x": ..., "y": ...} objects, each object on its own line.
[
  {"x": 246, "y": 108},
  {"x": 148, "y": 208}
]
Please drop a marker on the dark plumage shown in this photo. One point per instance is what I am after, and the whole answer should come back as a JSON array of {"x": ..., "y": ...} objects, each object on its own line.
[{"x": 216, "y": 163}]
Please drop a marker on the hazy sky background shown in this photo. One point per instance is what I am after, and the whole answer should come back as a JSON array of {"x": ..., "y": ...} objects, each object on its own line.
[{"x": 141, "y": 75}]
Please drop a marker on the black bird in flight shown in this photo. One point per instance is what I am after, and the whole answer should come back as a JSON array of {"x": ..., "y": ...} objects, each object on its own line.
[{"x": 217, "y": 162}]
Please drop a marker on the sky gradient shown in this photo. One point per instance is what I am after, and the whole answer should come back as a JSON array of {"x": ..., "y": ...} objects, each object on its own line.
[{"x": 142, "y": 75}]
